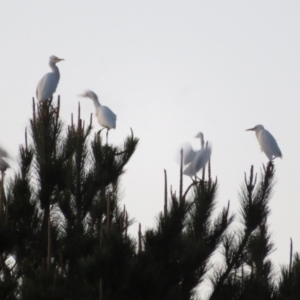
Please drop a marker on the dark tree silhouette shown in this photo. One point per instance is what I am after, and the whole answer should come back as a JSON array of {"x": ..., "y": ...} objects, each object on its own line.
[{"x": 64, "y": 235}]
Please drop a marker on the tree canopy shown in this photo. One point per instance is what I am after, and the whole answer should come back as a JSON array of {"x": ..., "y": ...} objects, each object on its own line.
[{"x": 64, "y": 234}]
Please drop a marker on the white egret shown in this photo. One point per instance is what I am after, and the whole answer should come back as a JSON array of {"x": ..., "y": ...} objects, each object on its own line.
[
  {"x": 267, "y": 142},
  {"x": 106, "y": 118},
  {"x": 200, "y": 159},
  {"x": 48, "y": 84},
  {"x": 188, "y": 152}
]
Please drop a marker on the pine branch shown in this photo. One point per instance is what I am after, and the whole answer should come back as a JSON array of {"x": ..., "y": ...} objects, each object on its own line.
[{"x": 254, "y": 212}]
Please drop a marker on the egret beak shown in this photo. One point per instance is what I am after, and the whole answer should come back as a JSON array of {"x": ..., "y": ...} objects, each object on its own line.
[
  {"x": 59, "y": 59},
  {"x": 250, "y": 129}
]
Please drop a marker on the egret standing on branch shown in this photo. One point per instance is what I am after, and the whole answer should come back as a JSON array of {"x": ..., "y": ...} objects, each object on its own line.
[
  {"x": 48, "y": 84},
  {"x": 267, "y": 142},
  {"x": 188, "y": 151},
  {"x": 200, "y": 159},
  {"x": 106, "y": 118}
]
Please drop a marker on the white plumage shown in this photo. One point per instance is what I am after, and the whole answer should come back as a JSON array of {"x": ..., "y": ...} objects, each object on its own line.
[
  {"x": 106, "y": 117},
  {"x": 197, "y": 159},
  {"x": 48, "y": 84},
  {"x": 188, "y": 152},
  {"x": 201, "y": 159},
  {"x": 267, "y": 142}
]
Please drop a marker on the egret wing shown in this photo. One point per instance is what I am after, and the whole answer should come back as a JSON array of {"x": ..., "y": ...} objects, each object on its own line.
[
  {"x": 188, "y": 153},
  {"x": 47, "y": 86},
  {"x": 190, "y": 170},
  {"x": 106, "y": 117},
  {"x": 268, "y": 144},
  {"x": 201, "y": 159}
]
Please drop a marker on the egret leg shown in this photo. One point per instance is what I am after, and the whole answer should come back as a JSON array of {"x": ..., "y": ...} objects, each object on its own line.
[
  {"x": 197, "y": 178},
  {"x": 55, "y": 110},
  {"x": 193, "y": 179},
  {"x": 98, "y": 133},
  {"x": 106, "y": 136}
]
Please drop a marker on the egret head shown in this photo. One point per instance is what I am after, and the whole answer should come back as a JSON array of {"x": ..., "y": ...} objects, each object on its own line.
[
  {"x": 257, "y": 128},
  {"x": 54, "y": 59},
  {"x": 199, "y": 135},
  {"x": 89, "y": 94}
]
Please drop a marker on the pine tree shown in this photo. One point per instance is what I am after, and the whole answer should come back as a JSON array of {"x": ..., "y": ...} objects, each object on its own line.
[
  {"x": 174, "y": 256},
  {"x": 61, "y": 219},
  {"x": 247, "y": 273},
  {"x": 289, "y": 283},
  {"x": 64, "y": 235}
]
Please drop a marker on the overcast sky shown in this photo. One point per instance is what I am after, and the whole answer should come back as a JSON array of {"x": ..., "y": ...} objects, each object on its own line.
[{"x": 168, "y": 69}]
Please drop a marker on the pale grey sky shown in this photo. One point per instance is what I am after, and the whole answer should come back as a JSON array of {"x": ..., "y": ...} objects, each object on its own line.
[{"x": 168, "y": 69}]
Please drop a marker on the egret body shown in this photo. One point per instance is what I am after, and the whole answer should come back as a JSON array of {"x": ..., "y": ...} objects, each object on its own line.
[
  {"x": 48, "y": 84},
  {"x": 200, "y": 159},
  {"x": 188, "y": 152},
  {"x": 267, "y": 142},
  {"x": 106, "y": 118}
]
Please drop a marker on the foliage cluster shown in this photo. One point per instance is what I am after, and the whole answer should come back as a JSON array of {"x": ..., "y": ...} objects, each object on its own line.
[{"x": 63, "y": 234}]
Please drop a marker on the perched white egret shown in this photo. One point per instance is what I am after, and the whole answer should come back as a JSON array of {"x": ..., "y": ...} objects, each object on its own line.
[
  {"x": 267, "y": 142},
  {"x": 48, "y": 84},
  {"x": 200, "y": 159},
  {"x": 188, "y": 152},
  {"x": 106, "y": 118}
]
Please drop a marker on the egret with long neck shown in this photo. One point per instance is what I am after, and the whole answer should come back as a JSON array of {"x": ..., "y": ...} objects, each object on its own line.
[
  {"x": 200, "y": 136},
  {"x": 188, "y": 151},
  {"x": 106, "y": 118},
  {"x": 48, "y": 84},
  {"x": 267, "y": 142},
  {"x": 197, "y": 159}
]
